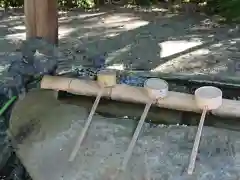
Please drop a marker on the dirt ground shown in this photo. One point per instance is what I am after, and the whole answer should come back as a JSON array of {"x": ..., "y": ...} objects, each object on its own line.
[{"x": 137, "y": 39}]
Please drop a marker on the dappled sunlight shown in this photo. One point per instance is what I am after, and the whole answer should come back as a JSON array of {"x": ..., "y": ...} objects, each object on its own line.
[
  {"x": 172, "y": 47},
  {"x": 192, "y": 64},
  {"x": 114, "y": 55},
  {"x": 201, "y": 52},
  {"x": 68, "y": 18},
  {"x": 152, "y": 8},
  {"x": 107, "y": 26},
  {"x": 157, "y": 9},
  {"x": 135, "y": 24},
  {"x": 12, "y": 18},
  {"x": 3, "y": 26},
  {"x": 117, "y": 18},
  {"x": 210, "y": 60},
  {"x": 3, "y": 68},
  {"x": 84, "y": 15},
  {"x": 16, "y": 36},
  {"x": 236, "y": 39},
  {"x": 167, "y": 67},
  {"x": 126, "y": 21},
  {"x": 15, "y": 23},
  {"x": 120, "y": 24},
  {"x": 111, "y": 35},
  {"x": 233, "y": 41},
  {"x": 187, "y": 37},
  {"x": 116, "y": 67},
  {"x": 217, "y": 45},
  {"x": 65, "y": 31},
  {"x": 19, "y": 27}
]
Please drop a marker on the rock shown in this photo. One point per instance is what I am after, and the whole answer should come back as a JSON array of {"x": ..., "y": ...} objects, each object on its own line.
[
  {"x": 43, "y": 55},
  {"x": 5, "y": 148},
  {"x": 37, "y": 58},
  {"x": 99, "y": 61}
]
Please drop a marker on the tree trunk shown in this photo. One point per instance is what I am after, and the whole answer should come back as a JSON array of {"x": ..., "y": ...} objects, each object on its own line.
[
  {"x": 30, "y": 18},
  {"x": 42, "y": 19}
]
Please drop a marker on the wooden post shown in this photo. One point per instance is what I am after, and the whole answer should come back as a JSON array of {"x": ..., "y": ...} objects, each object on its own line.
[
  {"x": 47, "y": 20},
  {"x": 42, "y": 19},
  {"x": 30, "y": 18}
]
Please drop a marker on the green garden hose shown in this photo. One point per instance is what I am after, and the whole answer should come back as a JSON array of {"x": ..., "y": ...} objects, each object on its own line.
[{"x": 8, "y": 103}]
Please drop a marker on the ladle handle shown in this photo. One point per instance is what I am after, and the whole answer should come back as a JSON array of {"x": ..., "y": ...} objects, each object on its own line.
[
  {"x": 135, "y": 136},
  {"x": 147, "y": 170},
  {"x": 197, "y": 142},
  {"x": 86, "y": 126}
]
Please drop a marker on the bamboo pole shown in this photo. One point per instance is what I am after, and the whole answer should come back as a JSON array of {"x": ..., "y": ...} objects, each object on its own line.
[{"x": 122, "y": 92}]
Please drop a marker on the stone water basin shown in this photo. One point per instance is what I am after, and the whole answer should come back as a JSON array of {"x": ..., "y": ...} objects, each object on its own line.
[{"x": 44, "y": 131}]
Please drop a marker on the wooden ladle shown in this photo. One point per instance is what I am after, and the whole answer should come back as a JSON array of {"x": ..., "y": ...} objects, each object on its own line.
[
  {"x": 106, "y": 79},
  {"x": 157, "y": 89},
  {"x": 207, "y": 98}
]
